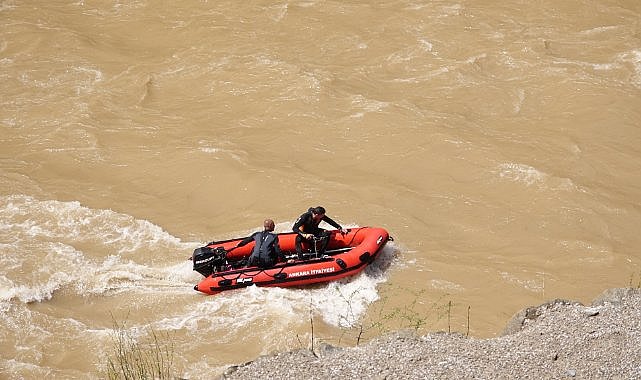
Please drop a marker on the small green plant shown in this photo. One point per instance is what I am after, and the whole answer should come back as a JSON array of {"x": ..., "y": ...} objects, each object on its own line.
[
  {"x": 387, "y": 315},
  {"x": 313, "y": 338},
  {"x": 467, "y": 333},
  {"x": 151, "y": 357},
  {"x": 632, "y": 280}
]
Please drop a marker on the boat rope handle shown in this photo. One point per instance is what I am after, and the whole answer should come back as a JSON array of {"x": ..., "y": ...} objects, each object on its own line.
[
  {"x": 258, "y": 271},
  {"x": 354, "y": 237}
]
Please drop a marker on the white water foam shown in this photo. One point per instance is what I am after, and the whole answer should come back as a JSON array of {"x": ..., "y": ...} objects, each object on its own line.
[
  {"x": 343, "y": 303},
  {"x": 633, "y": 57},
  {"x": 112, "y": 276},
  {"x": 521, "y": 173},
  {"x": 536, "y": 284},
  {"x": 530, "y": 176},
  {"x": 34, "y": 232},
  {"x": 24, "y": 217}
]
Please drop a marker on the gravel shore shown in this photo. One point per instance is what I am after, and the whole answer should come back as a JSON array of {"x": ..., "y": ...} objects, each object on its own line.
[{"x": 556, "y": 340}]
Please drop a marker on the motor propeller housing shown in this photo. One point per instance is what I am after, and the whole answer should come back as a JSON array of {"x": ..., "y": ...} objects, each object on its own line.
[{"x": 209, "y": 260}]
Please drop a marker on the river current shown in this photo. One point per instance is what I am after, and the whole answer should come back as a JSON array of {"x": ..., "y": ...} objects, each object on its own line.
[{"x": 498, "y": 142}]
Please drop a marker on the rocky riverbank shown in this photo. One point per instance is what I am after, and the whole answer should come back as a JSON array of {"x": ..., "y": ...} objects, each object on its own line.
[{"x": 559, "y": 339}]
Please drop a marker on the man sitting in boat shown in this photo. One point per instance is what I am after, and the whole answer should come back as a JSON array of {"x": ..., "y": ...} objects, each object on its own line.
[
  {"x": 306, "y": 228},
  {"x": 266, "y": 252}
]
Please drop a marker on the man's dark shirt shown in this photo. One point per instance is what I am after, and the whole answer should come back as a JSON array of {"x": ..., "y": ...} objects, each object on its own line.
[
  {"x": 309, "y": 226},
  {"x": 266, "y": 251}
]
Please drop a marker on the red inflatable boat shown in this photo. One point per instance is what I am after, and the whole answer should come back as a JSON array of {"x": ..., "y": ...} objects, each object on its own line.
[{"x": 347, "y": 254}]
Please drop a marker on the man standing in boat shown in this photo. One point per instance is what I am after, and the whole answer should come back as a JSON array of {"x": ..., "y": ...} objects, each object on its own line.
[
  {"x": 306, "y": 228},
  {"x": 266, "y": 251}
]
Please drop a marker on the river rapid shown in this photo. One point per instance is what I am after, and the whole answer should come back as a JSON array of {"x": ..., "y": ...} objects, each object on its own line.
[{"x": 498, "y": 142}]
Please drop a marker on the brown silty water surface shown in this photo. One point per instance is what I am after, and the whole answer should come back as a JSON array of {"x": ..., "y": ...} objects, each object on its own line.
[{"x": 499, "y": 144}]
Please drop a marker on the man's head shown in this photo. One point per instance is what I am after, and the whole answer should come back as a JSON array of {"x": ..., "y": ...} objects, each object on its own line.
[
  {"x": 318, "y": 213},
  {"x": 269, "y": 225}
]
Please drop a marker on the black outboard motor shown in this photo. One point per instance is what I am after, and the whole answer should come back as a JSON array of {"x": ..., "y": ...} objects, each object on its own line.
[{"x": 207, "y": 260}]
